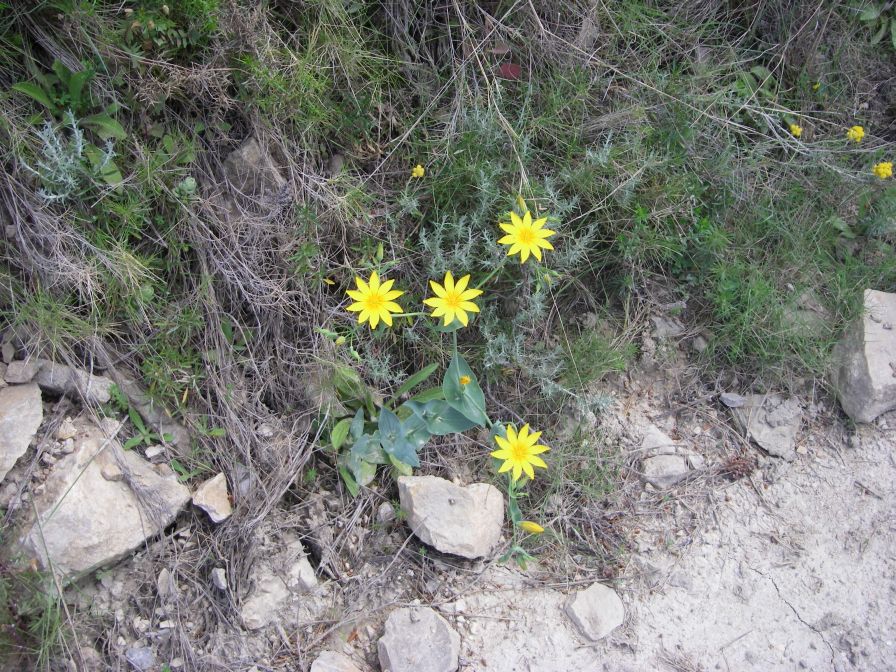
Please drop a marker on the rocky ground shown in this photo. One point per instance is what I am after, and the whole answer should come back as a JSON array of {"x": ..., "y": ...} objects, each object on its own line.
[{"x": 762, "y": 536}]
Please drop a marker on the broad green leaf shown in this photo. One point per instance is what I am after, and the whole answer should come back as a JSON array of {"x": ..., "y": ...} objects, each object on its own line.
[
  {"x": 369, "y": 449},
  {"x": 893, "y": 31},
  {"x": 441, "y": 418},
  {"x": 871, "y": 13},
  {"x": 429, "y": 395},
  {"x": 350, "y": 482},
  {"x": 357, "y": 426},
  {"x": 137, "y": 420},
  {"x": 339, "y": 433},
  {"x": 76, "y": 86},
  {"x": 398, "y": 437},
  {"x": 105, "y": 126},
  {"x": 462, "y": 391},
  {"x": 415, "y": 380},
  {"x": 62, "y": 72},
  {"x": 880, "y": 34},
  {"x": 104, "y": 168},
  {"x": 34, "y": 92},
  {"x": 515, "y": 514},
  {"x": 401, "y": 467}
]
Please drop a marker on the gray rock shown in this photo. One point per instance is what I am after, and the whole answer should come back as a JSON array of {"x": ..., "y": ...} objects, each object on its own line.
[
  {"x": 656, "y": 441},
  {"x": 330, "y": 661},
  {"x": 166, "y": 584},
  {"x": 74, "y": 383},
  {"x": 2, "y": 374},
  {"x": 596, "y": 611},
  {"x": 212, "y": 497},
  {"x": 417, "y": 639},
  {"x": 664, "y": 471},
  {"x": 732, "y": 399},
  {"x": 21, "y": 412},
  {"x": 142, "y": 658},
  {"x": 7, "y": 352},
  {"x": 87, "y": 521},
  {"x": 666, "y": 327},
  {"x": 21, "y": 372},
  {"x": 462, "y": 521},
  {"x": 66, "y": 430},
  {"x": 806, "y": 316},
  {"x": 219, "y": 578},
  {"x": 771, "y": 421},
  {"x": 385, "y": 513},
  {"x": 274, "y": 583},
  {"x": 865, "y": 373},
  {"x": 251, "y": 170}
]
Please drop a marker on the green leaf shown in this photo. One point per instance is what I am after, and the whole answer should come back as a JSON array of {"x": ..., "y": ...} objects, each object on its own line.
[
  {"x": 133, "y": 442},
  {"x": 415, "y": 380},
  {"x": 515, "y": 514},
  {"x": 357, "y": 427},
  {"x": 893, "y": 32},
  {"x": 880, "y": 34},
  {"x": 350, "y": 483},
  {"x": 441, "y": 418},
  {"x": 339, "y": 433},
  {"x": 369, "y": 449},
  {"x": 401, "y": 467},
  {"x": 105, "y": 169},
  {"x": 429, "y": 395},
  {"x": 395, "y": 439},
  {"x": 105, "y": 126},
  {"x": 137, "y": 420},
  {"x": 36, "y": 93},
  {"x": 76, "y": 86},
  {"x": 466, "y": 398},
  {"x": 363, "y": 472},
  {"x": 871, "y": 13},
  {"x": 62, "y": 72}
]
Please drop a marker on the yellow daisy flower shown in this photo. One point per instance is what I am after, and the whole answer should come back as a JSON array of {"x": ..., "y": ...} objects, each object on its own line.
[
  {"x": 453, "y": 301},
  {"x": 883, "y": 170},
  {"x": 525, "y": 236},
  {"x": 855, "y": 133},
  {"x": 465, "y": 380},
  {"x": 531, "y": 527},
  {"x": 796, "y": 130},
  {"x": 520, "y": 452},
  {"x": 374, "y": 301},
  {"x": 418, "y": 171}
]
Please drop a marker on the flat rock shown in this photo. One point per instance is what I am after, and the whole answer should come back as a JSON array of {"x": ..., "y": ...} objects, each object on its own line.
[
  {"x": 21, "y": 412},
  {"x": 464, "y": 521},
  {"x": 664, "y": 471},
  {"x": 865, "y": 373},
  {"x": 142, "y": 658},
  {"x": 596, "y": 611},
  {"x": 666, "y": 326},
  {"x": 74, "y": 383},
  {"x": 330, "y": 661},
  {"x": 88, "y": 521},
  {"x": 251, "y": 170},
  {"x": 212, "y": 497},
  {"x": 417, "y": 639},
  {"x": 732, "y": 399},
  {"x": 655, "y": 440},
  {"x": 771, "y": 421},
  {"x": 20, "y": 371}
]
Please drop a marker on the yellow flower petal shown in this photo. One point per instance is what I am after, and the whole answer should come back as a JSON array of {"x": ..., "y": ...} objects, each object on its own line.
[{"x": 531, "y": 527}]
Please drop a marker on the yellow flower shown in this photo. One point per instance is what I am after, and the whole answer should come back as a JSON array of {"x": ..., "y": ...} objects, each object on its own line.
[
  {"x": 418, "y": 171},
  {"x": 525, "y": 236},
  {"x": 465, "y": 380},
  {"x": 796, "y": 130},
  {"x": 816, "y": 86},
  {"x": 531, "y": 527},
  {"x": 883, "y": 170},
  {"x": 453, "y": 301},
  {"x": 375, "y": 301},
  {"x": 520, "y": 452},
  {"x": 855, "y": 133}
]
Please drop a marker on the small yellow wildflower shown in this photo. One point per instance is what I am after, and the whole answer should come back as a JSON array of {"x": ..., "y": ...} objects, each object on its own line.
[
  {"x": 520, "y": 452},
  {"x": 855, "y": 133},
  {"x": 525, "y": 236},
  {"x": 453, "y": 301},
  {"x": 883, "y": 170},
  {"x": 375, "y": 301},
  {"x": 796, "y": 130},
  {"x": 418, "y": 171},
  {"x": 465, "y": 380},
  {"x": 340, "y": 340},
  {"x": 816, "y": 86},
  {"x": 531, "y": 527}
]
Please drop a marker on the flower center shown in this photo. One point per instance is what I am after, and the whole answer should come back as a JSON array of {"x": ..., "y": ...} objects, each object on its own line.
[
  {"x": 519, "y": 451},
  {"x": 452, "y": 299},
  {"x": 374, "y": 302},
  {"x": 525, "y": 236}
]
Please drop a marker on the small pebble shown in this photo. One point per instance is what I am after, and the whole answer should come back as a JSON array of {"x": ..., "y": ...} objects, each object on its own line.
[{"x": 111, "y": 472}]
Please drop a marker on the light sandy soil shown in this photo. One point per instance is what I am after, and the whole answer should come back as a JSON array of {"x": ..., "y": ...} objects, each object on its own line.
[{"x": 791, "y": 569}]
